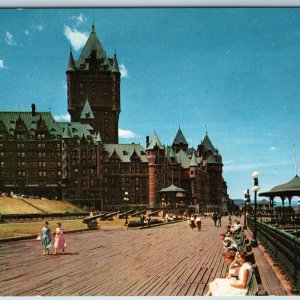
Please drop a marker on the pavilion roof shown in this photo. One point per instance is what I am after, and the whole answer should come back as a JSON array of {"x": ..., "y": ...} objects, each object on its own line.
[
  {"x": 289, "y": 189},
  {"x": 172, "y": 188}
]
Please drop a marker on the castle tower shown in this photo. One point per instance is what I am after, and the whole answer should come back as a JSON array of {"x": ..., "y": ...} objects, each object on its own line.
[
  {"x": 155, "y": 154},
  {"x": 213, "y": 166},
  {"x": 180, "y": 142},
  {"x": 96, "y": 77}
]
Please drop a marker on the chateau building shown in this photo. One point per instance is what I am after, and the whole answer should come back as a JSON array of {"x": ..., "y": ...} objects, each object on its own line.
[{"x": 83, "y": 162}]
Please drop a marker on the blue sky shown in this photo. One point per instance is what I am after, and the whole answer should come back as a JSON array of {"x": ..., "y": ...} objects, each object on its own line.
[{"x": 236, "y": 71}]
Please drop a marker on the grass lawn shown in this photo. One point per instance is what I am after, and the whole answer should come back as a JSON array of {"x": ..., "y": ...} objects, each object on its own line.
[
  {"x": 9, "y": 205},
  {"x": 22, "y": 229},
  {"x": 55, "y": 206}
]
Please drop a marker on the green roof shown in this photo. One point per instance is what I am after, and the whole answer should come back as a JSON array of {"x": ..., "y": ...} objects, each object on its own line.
[
  {"x": 71, "y": 64},
  {"x": 155, "y": 142},
  {"x": 125, "y": 151},
  {"x": 208, "y": 144},
  {"x": 193, "y": 162},
  {"x": 98, "y": 138},
  {"x": 170, "y": 155},
  {"x": 9, "y": 120},
  {"x": 86, "y": 112},
  {"x": 76, "y": 130},
  {"x": 183, "y": 159},
  {"x": 172, "y": 188},
  {"x": 291, "y": 188},
  {"x": 115, "y": 66},
  {"x": 93, "y": 43},
  {"x": 180, "y": 139}
]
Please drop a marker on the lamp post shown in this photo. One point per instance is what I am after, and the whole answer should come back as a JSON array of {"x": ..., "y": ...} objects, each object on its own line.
[
  {"x": 255, "y": 188},
  {"x": 247, "y": 199},
  {"x": 126, "y": 199}
]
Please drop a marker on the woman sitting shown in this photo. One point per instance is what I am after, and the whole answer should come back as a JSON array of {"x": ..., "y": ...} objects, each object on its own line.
[
  {"x": 233, "y": 264},
  {"x": 233, "y": 286}
]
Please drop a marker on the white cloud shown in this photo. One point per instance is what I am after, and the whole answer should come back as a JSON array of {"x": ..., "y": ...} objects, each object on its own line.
[
  {"x": 39, "y": 27},
  {"x": 228, "y": 162},
  {"x": 10, "y": 39},
  {"x": 272, "y": 148},
  {"x": 62, "y": 118},
  {"x": 26, "y": 32},
  {"x": 126, "y": 134},
  {"x": 80, "y": 19},
  {"x": 77, "y": 38},
  {"x": 2, "y": 64},
  {"x": 123, "y": 71}
]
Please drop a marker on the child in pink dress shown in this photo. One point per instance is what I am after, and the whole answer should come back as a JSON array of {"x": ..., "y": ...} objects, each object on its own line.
[{"x": 60, "y": 242}]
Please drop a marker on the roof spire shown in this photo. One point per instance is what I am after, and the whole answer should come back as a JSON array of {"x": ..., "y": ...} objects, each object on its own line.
[
  {"x": 93, "y": 27},
  {"x": 115, "y": 66},
  {"x": 180, "y": 138},
  {"x": 71, "y": 65},
  {"x": 86, "y": 112},
  {"x": 206, "y": 128}
]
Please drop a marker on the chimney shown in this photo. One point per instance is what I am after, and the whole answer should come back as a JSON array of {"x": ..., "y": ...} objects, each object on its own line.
[
  {"x": 33, "y": 109},
  {"x": 147, "y": 141}
]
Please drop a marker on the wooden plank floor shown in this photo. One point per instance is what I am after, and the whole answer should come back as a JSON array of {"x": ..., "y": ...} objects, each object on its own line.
[{"x": 169, "y": 260}]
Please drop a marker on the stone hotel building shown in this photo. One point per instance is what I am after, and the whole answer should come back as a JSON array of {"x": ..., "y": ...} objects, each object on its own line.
[{"x": 82, "y": 160}]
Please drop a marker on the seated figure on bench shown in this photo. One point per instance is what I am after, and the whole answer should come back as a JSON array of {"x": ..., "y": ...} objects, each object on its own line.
[
  {"x": 228, "y": 243},
  {"x": 233, "y": 286},
  {"x": 233, "y": 264}
]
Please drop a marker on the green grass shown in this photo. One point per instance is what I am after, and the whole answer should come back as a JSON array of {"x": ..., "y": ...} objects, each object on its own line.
[
  {"x": 23, "y": 229},
  {"x": 9, "y": 205},
  {"x": 55, "y": 206}
]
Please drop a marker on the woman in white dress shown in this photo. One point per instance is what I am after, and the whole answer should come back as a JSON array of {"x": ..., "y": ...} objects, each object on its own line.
[{"x": 233, "y": 286}]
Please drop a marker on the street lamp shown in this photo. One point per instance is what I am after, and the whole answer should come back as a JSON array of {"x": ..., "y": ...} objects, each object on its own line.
[
  {"x": 255, "y": 188},
  {"x": 247, "y": 199},
  {"x": 126, "y": 199}
]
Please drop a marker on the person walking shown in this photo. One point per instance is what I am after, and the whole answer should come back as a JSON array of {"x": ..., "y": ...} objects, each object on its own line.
[
  {"x": 46, "y": 238},
  {"x": 192, "y": 222},
  {"x": 60, "y": 242},
  {"x": 215, "y": 217},
  {"x": 198, "y": 222},
  {"x": 219, "y": 217}
]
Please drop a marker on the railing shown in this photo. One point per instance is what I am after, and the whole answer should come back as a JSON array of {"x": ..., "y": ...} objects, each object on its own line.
[{"x": 284, "y": 249}]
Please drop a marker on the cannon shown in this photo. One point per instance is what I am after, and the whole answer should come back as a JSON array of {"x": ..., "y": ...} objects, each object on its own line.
[
  {"x": 154, "y": 213},
  {"x": 91, "y": 221},
  {"x": 139, "y": 213},
  {"x": 122, "y": 215},
  {"x": 108, "y": 216}
]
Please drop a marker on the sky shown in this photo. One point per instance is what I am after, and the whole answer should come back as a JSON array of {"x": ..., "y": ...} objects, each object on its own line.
[{"x": 234, "y": 73}]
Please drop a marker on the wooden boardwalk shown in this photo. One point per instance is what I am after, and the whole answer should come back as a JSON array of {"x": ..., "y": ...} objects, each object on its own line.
[{"x": 169, "y": 260}]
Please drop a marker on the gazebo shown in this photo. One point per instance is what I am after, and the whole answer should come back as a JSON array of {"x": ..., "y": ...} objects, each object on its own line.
[
  {"x": 170, "y": 194},
  {"x": 284, "y": 191},
  {"x": 263, "y": 202}
]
